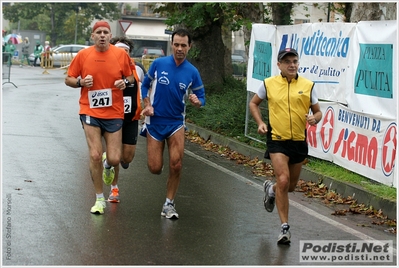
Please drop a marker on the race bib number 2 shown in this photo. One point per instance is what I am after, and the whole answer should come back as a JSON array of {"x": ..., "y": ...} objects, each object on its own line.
[
  {"x": 128, "y": 104},
  {"x": 100, "y": 98}
]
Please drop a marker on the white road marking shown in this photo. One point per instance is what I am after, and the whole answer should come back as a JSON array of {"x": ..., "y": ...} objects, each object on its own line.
[{"x": 311, "y": 212}]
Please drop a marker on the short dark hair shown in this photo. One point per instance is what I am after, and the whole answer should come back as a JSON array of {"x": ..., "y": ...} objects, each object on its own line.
[
  {"x": 122, "y": 39},
  {"x": 182, "y": 32}
]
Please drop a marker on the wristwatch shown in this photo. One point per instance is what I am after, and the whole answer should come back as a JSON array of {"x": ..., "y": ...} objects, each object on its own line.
[
  {"x": 127, "y": 83},
  {"x": 78, "y": 83}
]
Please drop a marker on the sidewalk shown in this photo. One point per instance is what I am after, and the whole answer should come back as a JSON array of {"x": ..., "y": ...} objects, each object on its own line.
[{"x": 345, "y": 189}]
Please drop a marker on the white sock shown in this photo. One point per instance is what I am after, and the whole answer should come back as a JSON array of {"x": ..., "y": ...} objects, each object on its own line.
[
  {"x": 114, "y": 186},
  {"x": 284, "y": 224},
  {"x": 106, "y": 164},
  {"x": 271, "y": 192},
  {"x": 168, "y": 201},
  {"x": 100, "y": 195}
]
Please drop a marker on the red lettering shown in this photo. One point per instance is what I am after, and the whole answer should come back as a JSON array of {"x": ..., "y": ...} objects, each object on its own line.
[
  {"x": 357, "y": 148},
  {"x": 311, "y": 135}
]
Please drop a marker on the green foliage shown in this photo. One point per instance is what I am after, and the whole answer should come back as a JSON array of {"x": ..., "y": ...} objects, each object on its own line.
[
  {"x": 199, "y": 15},
  {"x": 331, "y": 170},
  {"x": 194, "y": 53},
  {"x": 239, "y": 69},
  {"x": 58, "y": 19},
  {"x": 225, "y": 108}
]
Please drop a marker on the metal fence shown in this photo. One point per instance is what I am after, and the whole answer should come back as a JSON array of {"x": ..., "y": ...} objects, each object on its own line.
[
  {"x": 251, "y": 128},
  {"x": 147, "y": 60},
  {"x": 6, "y": 67},
  {"x": 51, "y": 60}
]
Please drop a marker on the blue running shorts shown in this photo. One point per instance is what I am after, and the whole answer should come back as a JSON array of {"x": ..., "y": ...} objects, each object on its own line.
[
  {"x": 106, "y": 125},
  {"x": 160, "y": 132}
]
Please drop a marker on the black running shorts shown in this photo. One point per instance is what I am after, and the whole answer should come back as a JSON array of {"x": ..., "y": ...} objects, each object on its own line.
[
  {"x": 297, "y": 151},
  {"x": 130, "y": 131}
]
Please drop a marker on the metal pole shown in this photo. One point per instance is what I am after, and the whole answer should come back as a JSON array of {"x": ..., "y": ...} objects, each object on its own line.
[
  {"x": 328, "y": 12},
  {"x": 76, "y": 22},
  {"x": 76, "y": 27}
]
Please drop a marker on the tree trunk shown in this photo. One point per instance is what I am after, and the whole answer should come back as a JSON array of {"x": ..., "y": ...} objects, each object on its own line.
[
  {"x": 364, "y": 11},
  {"x": 281, "y": 13},
  {"x": 53, "y": 34},
  {"x": 228, "y": 43},
  {"x": 255, "y": 11},
  {"x": 348, "y": 11},
  {"x": 389, "y": 11},
  {"x": 210, "y": 64}
]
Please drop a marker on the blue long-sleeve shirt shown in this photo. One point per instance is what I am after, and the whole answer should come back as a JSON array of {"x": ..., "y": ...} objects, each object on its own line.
[{"x": 170, "y": 86}]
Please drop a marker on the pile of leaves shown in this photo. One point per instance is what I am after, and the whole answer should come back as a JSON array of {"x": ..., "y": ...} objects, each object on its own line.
[
  {"x": 319, "y": 190},
  {"x": 308, "y": 188}
]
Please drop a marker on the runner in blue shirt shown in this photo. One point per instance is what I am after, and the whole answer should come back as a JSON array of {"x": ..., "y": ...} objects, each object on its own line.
[{"x": 165, "y": 90}]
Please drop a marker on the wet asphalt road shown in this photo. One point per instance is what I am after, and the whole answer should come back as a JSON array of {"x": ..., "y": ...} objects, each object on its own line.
[{"x": 47, "y": 194}]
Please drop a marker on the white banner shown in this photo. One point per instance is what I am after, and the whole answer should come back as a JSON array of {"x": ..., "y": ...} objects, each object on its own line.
[
  {"x": 324, "y": 51},
  {"x": 374, "y": 62},
  {"x": 363, "y": 143},
  {"x": 262, "y": 55},
  {"x": 353, "y": 67}
]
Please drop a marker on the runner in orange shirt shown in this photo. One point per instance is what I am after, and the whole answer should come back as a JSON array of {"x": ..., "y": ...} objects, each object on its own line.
[{"x": 101, "y": 103}]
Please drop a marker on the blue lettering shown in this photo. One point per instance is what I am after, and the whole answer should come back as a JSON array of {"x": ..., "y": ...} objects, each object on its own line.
[
  {"x": 99, "y": 94},
  {"x": 320, "y": 45}
]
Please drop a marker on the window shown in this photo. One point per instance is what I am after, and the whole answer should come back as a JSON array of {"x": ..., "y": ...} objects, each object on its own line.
[{"x": 300, "y": 21}]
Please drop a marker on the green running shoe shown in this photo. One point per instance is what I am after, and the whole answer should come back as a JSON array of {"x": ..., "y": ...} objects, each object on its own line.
[
  {"x": 99, "y": 206},
  {"x": 108, "y": 173}
]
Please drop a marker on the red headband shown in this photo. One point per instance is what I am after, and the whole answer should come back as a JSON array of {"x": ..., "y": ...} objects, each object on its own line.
[{"x": 101, "y": 24}]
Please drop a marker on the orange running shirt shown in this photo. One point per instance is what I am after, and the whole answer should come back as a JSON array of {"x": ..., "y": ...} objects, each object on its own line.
[
  {"x": 103, "y": 100},
  {"x": 137, "y": 80}
]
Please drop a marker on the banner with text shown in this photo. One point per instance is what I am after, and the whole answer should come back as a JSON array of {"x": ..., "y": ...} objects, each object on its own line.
[
  {"x": 363, "y": 143},
  {"x": 353, "y": 72},
  {"x": 374, "y": 87}
]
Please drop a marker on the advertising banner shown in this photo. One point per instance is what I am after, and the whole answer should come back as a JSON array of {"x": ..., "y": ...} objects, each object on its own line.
[
  {"x": 363, "y": 143},
  {"x": 353, "y": 67}
]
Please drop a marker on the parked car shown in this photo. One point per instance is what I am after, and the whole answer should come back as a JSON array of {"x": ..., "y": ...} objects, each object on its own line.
[
  {"x": 239, "y": 65},
  {"x": 147, "y": 51},
  {"x": 60, "y": 54},
  {"x": 237, "y": 58}
]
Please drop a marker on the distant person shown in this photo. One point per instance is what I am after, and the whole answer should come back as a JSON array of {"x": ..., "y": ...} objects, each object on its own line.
[
  {"x": 37, "y": 52},
  {"x": 3, "y": 43},
  {"x": 130, "y": 126},
  {"x": 289, "y": 97},
  {"x": 102, "y": 72},
  {"x": 165, "y": 90},
  {"x": 47, "y": 46},
  {"x": 25, "y": 51},
  {"x": 9, "y": 49},
  {"x": 46, "y": 54}
]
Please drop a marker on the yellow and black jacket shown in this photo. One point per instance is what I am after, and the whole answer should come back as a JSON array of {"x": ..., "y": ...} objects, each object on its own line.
[{"x": 288, "y": 103}]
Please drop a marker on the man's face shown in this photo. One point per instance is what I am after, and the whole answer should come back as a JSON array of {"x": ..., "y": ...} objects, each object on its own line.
[
  {"x": 180, "y": 47},
  {"x": 289, "y": 65},
  {"x": 101, "y": 37}
]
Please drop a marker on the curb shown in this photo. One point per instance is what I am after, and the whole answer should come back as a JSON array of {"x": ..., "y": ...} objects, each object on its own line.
[{"x": 345, "y": 189}]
